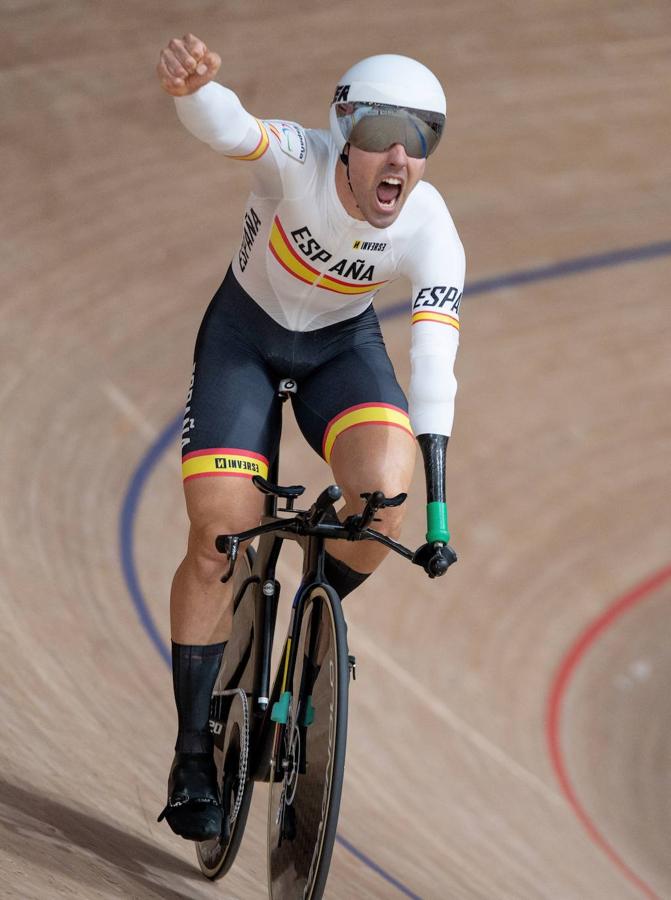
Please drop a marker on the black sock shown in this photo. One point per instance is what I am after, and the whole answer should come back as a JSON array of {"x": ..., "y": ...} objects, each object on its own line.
[
  {"x": 341, "y": 577},
  {"x": 194, "y": 672}
]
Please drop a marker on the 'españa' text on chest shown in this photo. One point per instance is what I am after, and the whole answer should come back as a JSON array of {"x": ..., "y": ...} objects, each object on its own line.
[{"x": 355, "y": 269}]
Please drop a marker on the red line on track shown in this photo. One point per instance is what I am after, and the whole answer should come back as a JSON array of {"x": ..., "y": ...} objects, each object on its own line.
[{"x": 554, "y": 710}]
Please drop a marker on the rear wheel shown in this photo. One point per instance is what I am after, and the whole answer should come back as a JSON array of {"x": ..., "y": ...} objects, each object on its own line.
[
  {"x": 309, "y": 759},
  {"x": 229, "y": 722}
]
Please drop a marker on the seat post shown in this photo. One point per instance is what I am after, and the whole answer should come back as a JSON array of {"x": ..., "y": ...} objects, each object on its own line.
[{"x": 285, "y": 388}]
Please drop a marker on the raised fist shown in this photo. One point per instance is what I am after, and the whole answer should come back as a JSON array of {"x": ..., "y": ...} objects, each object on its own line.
[{"x": 186, "y": 65}]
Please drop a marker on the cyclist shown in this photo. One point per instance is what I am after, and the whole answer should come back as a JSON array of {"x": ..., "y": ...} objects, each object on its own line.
[{"x": 331, "y": 218}]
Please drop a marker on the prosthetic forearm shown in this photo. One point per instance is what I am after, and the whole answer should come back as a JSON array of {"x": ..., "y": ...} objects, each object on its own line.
[{"x": 433, "y": 447}]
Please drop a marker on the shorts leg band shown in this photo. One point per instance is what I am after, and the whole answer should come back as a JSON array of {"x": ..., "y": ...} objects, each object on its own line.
[
  {"x": 363, "y": 414},
  {"x": 227, "y": 461}
]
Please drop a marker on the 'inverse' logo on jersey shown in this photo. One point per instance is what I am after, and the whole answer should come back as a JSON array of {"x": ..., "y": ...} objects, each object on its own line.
[
  {"x": 224, "y": 461},
  {"x": 239, "y": 465},
  {"x": 369, "y": 245}
]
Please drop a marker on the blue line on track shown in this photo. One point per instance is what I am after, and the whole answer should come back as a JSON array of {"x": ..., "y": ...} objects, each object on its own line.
[
  {"x": 367, "y": 861},
  {"x": 556, "y": 270},
  {"x": 127, "y": 531},
  {"x": 170, "y": 433}
]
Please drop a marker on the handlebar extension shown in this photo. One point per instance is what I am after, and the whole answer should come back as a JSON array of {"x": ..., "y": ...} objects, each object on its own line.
[
  {"x": 377, "y": 500},
  {"x": 327, "y": 498},
  {"x": 435, "y": 558},
  {"x": 286, "y": 493}
]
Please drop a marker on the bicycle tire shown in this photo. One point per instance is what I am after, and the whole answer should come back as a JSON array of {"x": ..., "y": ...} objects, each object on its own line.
[
  {"x": 215, "y": 857},
  {"x": 303, "y": 806}
]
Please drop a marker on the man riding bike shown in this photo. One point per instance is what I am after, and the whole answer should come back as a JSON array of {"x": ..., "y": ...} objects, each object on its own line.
[{"x": 331, "y": 218}]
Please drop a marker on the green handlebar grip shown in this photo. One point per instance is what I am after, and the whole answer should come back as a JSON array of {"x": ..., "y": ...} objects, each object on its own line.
[{"x": 436, "y": 523}]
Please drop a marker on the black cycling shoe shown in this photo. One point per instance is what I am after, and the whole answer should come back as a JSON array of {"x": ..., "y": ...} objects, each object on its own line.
[{"x": 193, "y": 810}]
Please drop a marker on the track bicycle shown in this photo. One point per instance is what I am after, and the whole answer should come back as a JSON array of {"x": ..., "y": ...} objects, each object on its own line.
[{"x": 292, "y": 734}]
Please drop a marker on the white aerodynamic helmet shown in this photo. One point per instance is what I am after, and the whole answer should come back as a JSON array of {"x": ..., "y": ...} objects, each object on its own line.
[{"x": 385, "y": 100}]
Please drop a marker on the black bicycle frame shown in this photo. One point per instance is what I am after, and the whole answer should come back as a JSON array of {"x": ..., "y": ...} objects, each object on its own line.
[{"x": 266, "y": 594}]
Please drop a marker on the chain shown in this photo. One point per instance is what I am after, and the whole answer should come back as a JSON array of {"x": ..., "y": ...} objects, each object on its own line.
[{"x": 244, "y": 749}]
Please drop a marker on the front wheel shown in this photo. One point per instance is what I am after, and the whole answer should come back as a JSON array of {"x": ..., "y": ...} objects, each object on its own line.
[{"x": 309, "y": 754}]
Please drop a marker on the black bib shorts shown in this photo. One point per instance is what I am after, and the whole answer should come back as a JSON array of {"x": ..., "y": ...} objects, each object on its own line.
[{"x": 232, "y": 422}]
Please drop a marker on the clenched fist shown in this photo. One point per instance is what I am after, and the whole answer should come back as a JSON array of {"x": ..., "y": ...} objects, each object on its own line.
[{"x": 186, "y": 65}]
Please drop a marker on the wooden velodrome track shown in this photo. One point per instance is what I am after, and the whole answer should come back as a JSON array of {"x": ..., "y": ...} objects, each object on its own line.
[{"x": 509, "y": 730}]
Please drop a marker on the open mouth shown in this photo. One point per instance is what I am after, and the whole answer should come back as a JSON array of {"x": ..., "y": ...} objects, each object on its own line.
[{"x": 388, "y": 191}]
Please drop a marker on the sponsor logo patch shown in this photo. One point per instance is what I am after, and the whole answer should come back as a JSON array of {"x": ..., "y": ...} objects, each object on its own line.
[
  {"x": 224, "y": 461},
  {"x": 369, "y": 245},
  {"x": 291, "y": 138},
  {"x": 237, "y": 465}
]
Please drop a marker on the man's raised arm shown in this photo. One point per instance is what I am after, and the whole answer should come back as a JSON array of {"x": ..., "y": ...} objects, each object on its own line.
[{"x": 210, "y": 111}]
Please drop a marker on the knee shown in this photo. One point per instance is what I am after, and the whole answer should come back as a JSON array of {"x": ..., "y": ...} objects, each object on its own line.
[
  {"x": 391, "y": 519},
  {"x": 202, "y": 554},
  {"x": 374, "y": 458},
  {"x": 388, "y": 521}
]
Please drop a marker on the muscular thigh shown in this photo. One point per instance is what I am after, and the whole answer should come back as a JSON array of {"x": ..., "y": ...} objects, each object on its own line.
[
  {"x": 354, "y": 413},
  {"x": 231, "y": 424},
  {"x": 373, "y": 458}
]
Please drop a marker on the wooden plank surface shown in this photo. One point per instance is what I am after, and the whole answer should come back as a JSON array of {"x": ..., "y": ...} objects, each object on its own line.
[{"x": 117, "y": 227}]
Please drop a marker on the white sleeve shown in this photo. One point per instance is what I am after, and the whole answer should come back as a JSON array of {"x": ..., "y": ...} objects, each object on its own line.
[
  {"x": 434, "y": 262},
  {"x": 215, "y": 116}
]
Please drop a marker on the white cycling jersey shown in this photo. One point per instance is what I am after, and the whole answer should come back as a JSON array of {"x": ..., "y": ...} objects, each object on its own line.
[{"x": 308, "y": 263}]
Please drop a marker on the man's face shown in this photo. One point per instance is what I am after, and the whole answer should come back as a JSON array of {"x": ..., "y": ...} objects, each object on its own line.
[{"x": 382, "y": 182}]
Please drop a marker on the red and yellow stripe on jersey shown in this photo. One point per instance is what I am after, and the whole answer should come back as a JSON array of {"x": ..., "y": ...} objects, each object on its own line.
[
  {"x": 289, "y": 259},
  {"x": 363, "y": 414},
  {"x": 260, "y": 148},
  {"x": 224, "y": 461},
  {"x": 431, "y": 316}
]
